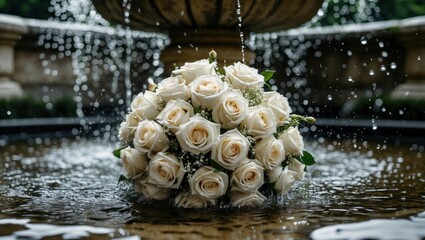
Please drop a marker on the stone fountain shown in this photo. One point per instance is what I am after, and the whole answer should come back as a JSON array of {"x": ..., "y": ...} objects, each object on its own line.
[{"x": 196, "y": 27}]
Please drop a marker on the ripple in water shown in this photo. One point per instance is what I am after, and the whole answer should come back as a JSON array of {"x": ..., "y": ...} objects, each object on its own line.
[{"x": 63, "y": 182}]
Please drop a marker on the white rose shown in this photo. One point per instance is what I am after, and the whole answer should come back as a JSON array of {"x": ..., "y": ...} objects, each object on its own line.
[
  {"x": 173, "y": 88},
  {"x": 128, "y": 127},
  {"x": 232, "y": 147},
  {"x": 150, "y": 137},
  {"x": 209, "y": 183},
  {"x": 133, "y": 161},
  {"x": 278, "y": 104},
  {"x": 248, "y": 199},
  {"x": 166, "y": 171},
  {"x": 175, "y": 113},
  {"x": 270, "y": 152},
  {"x": 146, "y": 105},
  {"x": 298, "y": 168},
  {"x": 151, "y": 191},
  {"x": 206, "y": 91},
  {"x": 283, "y": 178},
  {"x": 260, "y": 123},
  {"x": 198, "y": 135},
  {"x": 186, "y": 200},
  {"x": 292, "y": 141},
  {"x": 248, "y": 177},
  {"x": 241, "y": 76},
  {"x": 192, "y": 70},
  {"x": 231, "y": 109}
]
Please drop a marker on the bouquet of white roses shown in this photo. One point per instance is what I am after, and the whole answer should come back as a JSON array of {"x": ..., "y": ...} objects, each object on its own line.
[{"x": 206, "y": 134}]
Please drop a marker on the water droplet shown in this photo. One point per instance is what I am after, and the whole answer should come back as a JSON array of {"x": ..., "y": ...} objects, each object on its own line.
[
  {"x": 393, "y": 65},
  {"x": 384, "y": 54},
  {"x": 419, "y": 58},
  {"x": 329, "y": 97},
  {"x": 238, "y": 12},
  {"x": 379, "y": 102},
  {"x": 371, "y": 72},
  {"x": 363, "y": 40},
  {"x": 350, "y": 79},
  {"x": 9, "y": 113}
]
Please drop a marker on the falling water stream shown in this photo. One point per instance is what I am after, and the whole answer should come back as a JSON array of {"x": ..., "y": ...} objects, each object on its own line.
[
  {"x": 239, "y": 14},
  {"x": 68, "y": 188}
]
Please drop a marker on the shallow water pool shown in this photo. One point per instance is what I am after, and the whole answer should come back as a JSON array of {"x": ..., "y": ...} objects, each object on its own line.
[{"x": 68, "y": 189}]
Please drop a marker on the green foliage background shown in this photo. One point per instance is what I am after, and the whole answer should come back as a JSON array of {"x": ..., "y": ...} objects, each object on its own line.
[
  {"x": 398, "y": 9},
  {"x": 26, "y": 8}
]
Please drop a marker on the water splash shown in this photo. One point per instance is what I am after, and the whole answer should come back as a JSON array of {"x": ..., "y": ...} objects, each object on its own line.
[
  {"x": 106, "y": 66},
  {"x": 128, "y": 51}
]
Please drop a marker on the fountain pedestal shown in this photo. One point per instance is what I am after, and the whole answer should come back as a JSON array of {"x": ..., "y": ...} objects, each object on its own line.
[
  {"x": 11, "y": 30},
  {"x": 195, "y": 27},
  {"x": 189, "y": 45}
]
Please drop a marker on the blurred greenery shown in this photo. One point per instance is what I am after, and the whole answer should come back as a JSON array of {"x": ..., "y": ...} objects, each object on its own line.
[
  {"x": 356, "y": 11},
  {"x": 26, "y": 8},
  {"x": 28, "y": 107},
  {"x": 385, "y": 107},
  {"x": 398, "y": 9}
]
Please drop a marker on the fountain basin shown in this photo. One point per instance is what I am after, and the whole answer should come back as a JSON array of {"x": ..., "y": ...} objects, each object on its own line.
[
  {"x": 46, "y": 183},
  {"x": 197, "y": 27}
]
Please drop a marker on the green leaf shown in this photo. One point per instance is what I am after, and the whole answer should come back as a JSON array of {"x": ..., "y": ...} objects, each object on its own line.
[
  {"x": 267, "y": 74},
  {"x": 217, "y": 166},
  {"x": 197, "y": 109},
  {"x": 117, "y": 152},
  {"x": 122, "y": 179},
  {"x": 267, "y": 84},
  {"x": 221, "y": 71},
  {"x": 307, "y": 159}
]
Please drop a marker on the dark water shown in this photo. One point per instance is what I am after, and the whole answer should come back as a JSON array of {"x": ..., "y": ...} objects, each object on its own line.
[{"x": 53, "y": 189}]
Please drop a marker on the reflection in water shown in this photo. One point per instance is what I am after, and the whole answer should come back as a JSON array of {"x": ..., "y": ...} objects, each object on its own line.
[{"x": 75, "y": 183}]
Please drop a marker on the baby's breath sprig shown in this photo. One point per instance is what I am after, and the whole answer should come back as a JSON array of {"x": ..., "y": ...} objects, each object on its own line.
[
  {"x": 251, "y": 140},
  {"x": 253, "y": 95},
  {"x": 280, "y": 129},
  {"x": 204, "y": 113},
  {"x": 192, "y": 162},
  {"x": 287, "y": 161},
  {"x": 251, "y": 151}
]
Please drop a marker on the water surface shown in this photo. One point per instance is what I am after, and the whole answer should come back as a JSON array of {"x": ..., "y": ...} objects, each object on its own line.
[{"x": 69, "y": 189}]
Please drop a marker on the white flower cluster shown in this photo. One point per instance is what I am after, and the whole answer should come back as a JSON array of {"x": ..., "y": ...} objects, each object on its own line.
[{"x": 173, "y": 150}]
